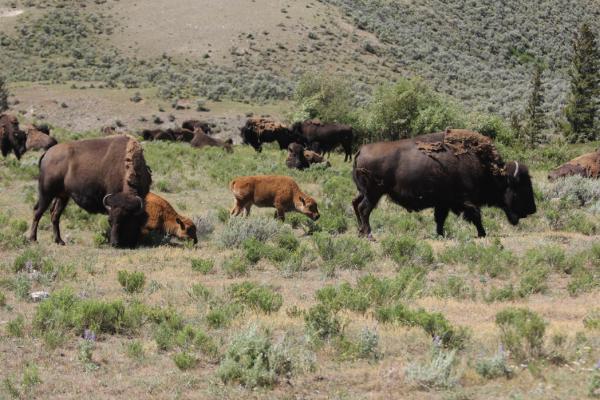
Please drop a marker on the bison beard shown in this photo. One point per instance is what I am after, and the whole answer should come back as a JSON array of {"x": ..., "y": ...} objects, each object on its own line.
[
  {"x": 106, "y": 175},
  {"x": 457, "y": 171}
]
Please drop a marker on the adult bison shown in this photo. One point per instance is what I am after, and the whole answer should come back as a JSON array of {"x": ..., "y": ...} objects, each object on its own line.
[
  {"x": 456, "y": 170},
  {"x": 587, "y": 165},
  {"x": 193, "y": 124},
  {"x": 158, "y": 134},
  {"x": 257, "y": 131},
  {"x": 324, "y": 138},
  {"x": 300, "y": 158},
  {"x": 107, "y": 175},
  {"x": 38, "y": 138},
  {"x": 201, "y": 140},
  {"x": 11, "y": 137}
]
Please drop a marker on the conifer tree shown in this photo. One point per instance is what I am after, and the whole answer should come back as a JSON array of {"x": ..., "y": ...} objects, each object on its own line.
[
  {"x": 3, "y": 95},
  {"x": 535, "y": 112},
  {"x": 582, "y": 104}
]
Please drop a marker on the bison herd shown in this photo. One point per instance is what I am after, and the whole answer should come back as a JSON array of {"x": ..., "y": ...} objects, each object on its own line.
[{"x": 455, "y": 171}]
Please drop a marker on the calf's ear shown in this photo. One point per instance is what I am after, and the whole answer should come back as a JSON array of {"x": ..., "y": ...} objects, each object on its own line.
[
  {"x": 180, "y": 222},
  {"x": 303, "y": 201}
]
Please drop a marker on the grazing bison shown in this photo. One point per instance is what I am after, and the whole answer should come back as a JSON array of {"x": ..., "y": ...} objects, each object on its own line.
[
  {"x": 193, "y": 124},
  {"x": 324, "y": 138},
  {"x": 38, "y": 138},
  {"x": 587, "y": 165},
  {"x": 257, "y": 131},
  {"x": 456, "y": 170},
  {"x": 11, "y": 137},
  {"x": 281, "y": 192},
  {"x": 157, "y": 134},
  {"x": 182, "y": 134},
  {"x": 201, "y": 140},
  {"x": 107, "y": 175},
  {"x": 300, "y": 158},
  {"x": 162, "y": 217}
]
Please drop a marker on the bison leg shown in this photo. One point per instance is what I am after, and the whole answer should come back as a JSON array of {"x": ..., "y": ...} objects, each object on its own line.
[
  {"x": 366, "y": 206},
  {"x": 355, "y": 202},
  {"x": 280, "y": 214},
  {"x": 472, "y": 214},
  {"x": 237, "y": 208},
  {"x": 247, "y": 208},
  {"x": 440, "y": 214},
  {"x": 39, "y": 210},
  {"x": 57, "y": 209}
]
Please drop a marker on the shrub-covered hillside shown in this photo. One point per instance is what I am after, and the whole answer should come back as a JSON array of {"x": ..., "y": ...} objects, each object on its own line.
[{"x": 481, "y": 52}]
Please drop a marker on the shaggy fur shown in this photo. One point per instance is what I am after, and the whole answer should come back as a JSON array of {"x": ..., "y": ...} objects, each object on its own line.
[
  {"x": 587, "y": 165},
  {"x": 12, "y": 138},
  {"x": 261, "y": 130},
  {"x": 280, "y": 192},
  {"x": 162, "y": 217},
  {"x": 38, "y": 139}
]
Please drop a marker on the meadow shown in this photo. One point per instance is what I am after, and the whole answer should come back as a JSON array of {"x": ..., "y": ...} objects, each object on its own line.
[{"x": 264, "y": 309}]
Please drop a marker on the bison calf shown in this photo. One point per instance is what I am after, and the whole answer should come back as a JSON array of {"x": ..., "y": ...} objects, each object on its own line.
[
  {"x": 162, "y": 217},
  {"x": 281, "y": 192}
]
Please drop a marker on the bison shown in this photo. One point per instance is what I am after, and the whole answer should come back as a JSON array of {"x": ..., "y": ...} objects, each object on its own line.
[
  {"x": 587, "y": 165},
  {"x": 182, "y": 134},
  {"x": 456, "y": 170},
  {"x": 280, "y": 192},
  {"x": 193, "y": 124},
  {"x": 107, "y": 175},
  {"x": 324, "y": 138},
  {"x": 38, "y": 138},
  {"x": 11, "y": 137},
  {"x": 157, "y": 134},
  {"x": 257, "y": 131},
  {"x": 201, "y": 140},
  {"x": 162, "y": 217},
  {"x": 300, "y": 158}
]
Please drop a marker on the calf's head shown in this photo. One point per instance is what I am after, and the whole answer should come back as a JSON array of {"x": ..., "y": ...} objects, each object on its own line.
[
  {"x": 126, "y": 216},
  {"x": 519, "y": 201},
  {"x": 307, "y": 206},
  {"x": 187, "y": 229}
]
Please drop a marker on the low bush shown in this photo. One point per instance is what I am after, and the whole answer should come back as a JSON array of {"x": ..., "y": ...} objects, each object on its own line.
[
  {"x": 364, "y": 346},
  {"x": 505, "y": 293},
  {"x": 253, "y": 361},
  {"x": 592, "y": 319},
  {"x": 184, "y": 361},
  {"x": 522, "y": 332},
  {"x": 322, "y": 323},
  {"x": 343, "y": 252},
  {"x": 492, "y": 260},
  {"x": 406, "y": 250},
  {"x": 203, "y": 266},
  {"x": 533, "y": 281},
  {"x": 436, "y": 373},
  {"x": 135, "y": 350},
  {"x": 235, "y": 266},
  {"x": 132, "y": 282},
  {"x": 221, "y": 315},
  {"x": 494, "y": 367},
  {"x": 256, "y": 297},
  {"x": 454, "y": 287},
  {"x": 30, "y": 259},
  {"x": 16, "y": 327},
  {"x": 2, "y": 299},
  {"x": 238, "y": 230}
]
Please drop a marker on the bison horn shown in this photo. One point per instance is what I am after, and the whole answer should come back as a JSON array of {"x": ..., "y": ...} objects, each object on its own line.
[
  {"x": 104, "y": 201},
  {"x": 516, "y": 169}
]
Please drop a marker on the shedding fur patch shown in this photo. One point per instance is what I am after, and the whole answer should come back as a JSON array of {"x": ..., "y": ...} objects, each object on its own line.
[
  {"x": 260, "y": 124},
  {"x": 460, "y": 142},
  {"x": 137, "y": 177}
]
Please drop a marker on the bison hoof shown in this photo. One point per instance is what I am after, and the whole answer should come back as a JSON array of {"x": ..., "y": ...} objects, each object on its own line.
[{"x": 59, "y": 242}]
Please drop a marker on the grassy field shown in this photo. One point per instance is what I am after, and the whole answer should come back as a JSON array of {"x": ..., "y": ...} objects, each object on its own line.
[{"x": 262, "y": 309}]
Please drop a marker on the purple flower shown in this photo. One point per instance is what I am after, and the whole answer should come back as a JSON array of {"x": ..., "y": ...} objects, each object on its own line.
[
  {"x": 89, "y": 335},
  {"x": 437, "y": 341}
]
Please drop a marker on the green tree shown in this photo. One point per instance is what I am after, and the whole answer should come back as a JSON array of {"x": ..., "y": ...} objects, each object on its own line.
[
  {"x": 326, "y": 97},
  {"x": 582, "y": 104},
  {"x": 3, "y": 94},
  {"x": 535, "y": 112}
]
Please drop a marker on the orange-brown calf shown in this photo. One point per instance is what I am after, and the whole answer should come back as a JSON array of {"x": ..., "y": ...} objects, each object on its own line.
[
  {"x": 163, "y": 217},
  {"x": 281, "y": 192}
]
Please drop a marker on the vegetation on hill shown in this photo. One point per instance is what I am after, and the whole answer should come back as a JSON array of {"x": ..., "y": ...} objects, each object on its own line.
[{"x": 483, "y": 52}]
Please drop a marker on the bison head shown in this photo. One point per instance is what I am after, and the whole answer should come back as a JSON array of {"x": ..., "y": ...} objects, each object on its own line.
[
  {"x": 11, "y": 137},
  {"x": 250, "y": 137},
  {"x": 126, "y": 216},
  {"x": 187, "y": 229},
  {"x": 518, "y": 199},
  {"x": 308, "y": 207}
]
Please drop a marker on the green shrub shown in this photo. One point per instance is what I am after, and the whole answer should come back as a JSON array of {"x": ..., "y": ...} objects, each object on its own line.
[
  {"x": 238, "y": 230},
  {"x": 492, "y": 260},
  {"x": 132, "y": 282},
  {"x": 592, "y": 319},
  {"x": 365, "y": 346},
  {"x": 200, "y": 292},
  {"x": 202, "y": 265},
  {"x": 437, "y": 372},
  {"x": 594, "y": 386},
  {"x": 184, "y": 361},
  {"x": 454, "y": 287},
  {"x": 31, "y": 377},
  {"x": 252, "y": 361},
  {"x": 235, "y": 266},
  {"x": 494, "y": 367},
  {"x": 256, "y": 297},
  {"x": 322, "y": 322},
  {"x": 135, "y": 350},
  {"x": 434, "y": 324},
  {"x": 583, "y": 280},
  {"x": 406, "y": 250},
  {"x": 343, "y": 252},
  {"x": 506, "y": 293},
  {"x": 533, "y": 281},
  {"x": 2, "y": 299},
  {"x": 22, "y": 287},
  {"x": 522, "y": 332},
  {"x": 16, "y": 327},
  {"x": 30, "y": 258},
  {"x": 221, "y": 315}
]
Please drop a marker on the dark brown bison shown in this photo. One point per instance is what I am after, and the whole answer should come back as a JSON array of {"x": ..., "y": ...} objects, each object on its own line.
[
  {"x": 456, "y": 170},
  {"x": 107, "y": 175},
  {"x": 300, "y": 158},
  {"x": 182, "y": 134},
  {"x": 158, "y": 134},
  {"x": 11, "y": 137},
  {"x": 203, "y": 140},
  {"x": 193, "y": 124},
  {"x": 587, "y": 165},
  {"x": 38, "y": 138},
  {"x": 324, "y": 138},
  {"x": 257, "y": 131}
]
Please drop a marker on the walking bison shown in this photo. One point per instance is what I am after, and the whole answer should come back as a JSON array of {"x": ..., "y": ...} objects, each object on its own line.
[
  {"x": 456, "y": 170},
  {"x": 324, "y": 138},
  {"x": 107, "y": 175},
  {"x": 257, "y": 131}
]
